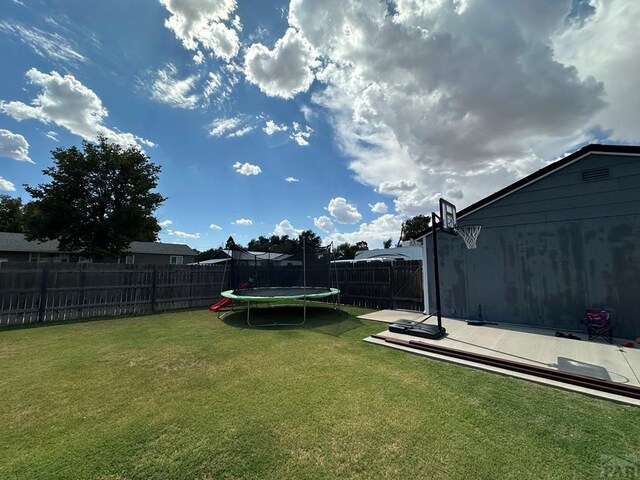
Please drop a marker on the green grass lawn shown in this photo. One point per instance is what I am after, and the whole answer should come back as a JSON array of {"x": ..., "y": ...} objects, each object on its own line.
[{"x": 185, "y": 395}]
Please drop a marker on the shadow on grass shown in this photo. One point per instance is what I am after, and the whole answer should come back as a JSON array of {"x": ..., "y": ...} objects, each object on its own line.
[
  {"x": 71, "y": 321},
  {"x": 321, "y": 319}
]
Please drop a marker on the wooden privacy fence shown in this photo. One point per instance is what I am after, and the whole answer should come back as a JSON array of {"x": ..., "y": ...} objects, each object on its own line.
[
  {"x": 36, "y": 293},
  {"x": 396, "y": 285}
]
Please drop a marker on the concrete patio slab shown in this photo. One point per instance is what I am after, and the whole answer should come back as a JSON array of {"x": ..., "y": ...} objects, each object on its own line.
[
  {"x": 389, "y": 316},
  {"x": 533, "y": 346}
]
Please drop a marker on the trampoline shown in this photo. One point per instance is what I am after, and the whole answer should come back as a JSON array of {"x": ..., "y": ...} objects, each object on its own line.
[
  {"x": 301, "y": 274},
  {"x": 278, "y": 295}
]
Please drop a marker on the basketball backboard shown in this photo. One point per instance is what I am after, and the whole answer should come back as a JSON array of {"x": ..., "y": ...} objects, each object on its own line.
[{"x": 448, "y": 219}]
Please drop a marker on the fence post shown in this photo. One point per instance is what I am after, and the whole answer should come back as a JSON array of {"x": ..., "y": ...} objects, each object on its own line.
[
  {"x": 391, "y": 292},
  {"x": 81, "y": 291},
  {"x": 154, "y": 282},
  {"x": 190, "y": 287},
  {"x": 44, "y": 284}
]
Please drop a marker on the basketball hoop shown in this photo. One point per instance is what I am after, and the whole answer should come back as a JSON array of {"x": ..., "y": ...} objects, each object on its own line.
[{"x": 469, "y": 234}]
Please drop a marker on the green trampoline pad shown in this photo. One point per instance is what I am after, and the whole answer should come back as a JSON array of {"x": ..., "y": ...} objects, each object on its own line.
[{"x": 274, "y": 294}]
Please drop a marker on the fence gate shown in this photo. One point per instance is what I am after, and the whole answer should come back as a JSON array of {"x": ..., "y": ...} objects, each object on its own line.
[
  {"x": 406, "y": 286},
  {"x": 396, "y": 285}
]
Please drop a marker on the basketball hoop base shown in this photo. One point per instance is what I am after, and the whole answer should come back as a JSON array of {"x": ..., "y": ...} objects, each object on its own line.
[{"x": 417, "y": 329}]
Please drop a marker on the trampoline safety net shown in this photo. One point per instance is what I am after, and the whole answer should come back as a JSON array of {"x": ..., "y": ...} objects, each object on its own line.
[{"x": 304, "y": 266}]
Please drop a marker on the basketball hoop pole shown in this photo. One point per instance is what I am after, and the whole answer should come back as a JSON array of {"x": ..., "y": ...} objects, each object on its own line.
[
  {"x": 436, "y": 271},
  {"x": 419, "y": 328}
]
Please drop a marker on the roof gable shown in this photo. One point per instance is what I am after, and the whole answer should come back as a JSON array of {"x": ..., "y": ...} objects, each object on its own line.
[
  {"x": 593, "y": 148},
  {"x": 549, "y": 169}
]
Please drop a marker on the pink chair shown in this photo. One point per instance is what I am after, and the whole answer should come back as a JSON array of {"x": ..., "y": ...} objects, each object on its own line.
[{"x": 598, "y": 323}]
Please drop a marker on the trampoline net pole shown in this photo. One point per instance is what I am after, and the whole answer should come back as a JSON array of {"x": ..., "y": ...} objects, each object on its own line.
[
  {"x": 304, "y": 280},
  {"x": 332, "y": 258}
]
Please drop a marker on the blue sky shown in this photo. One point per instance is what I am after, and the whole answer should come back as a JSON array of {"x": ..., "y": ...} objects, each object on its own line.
[{"x": 344, "y": 117}]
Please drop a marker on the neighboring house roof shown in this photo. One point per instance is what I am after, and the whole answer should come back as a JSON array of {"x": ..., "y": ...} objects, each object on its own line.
[
  {"x": 389, "y": 254},
  {"x": 211, "y": 261},
  {"x": 543, "y": 172},
  {"x": 158, "y": 248},
  {"x": 246, "y": 255},
  {"x": 251, "y": 255},
  {"x": 16, "y": 242}
]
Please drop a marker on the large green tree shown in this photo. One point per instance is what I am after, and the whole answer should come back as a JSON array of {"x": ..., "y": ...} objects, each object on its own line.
[
  {"x": 11, "y": 214},
  {"x": 274, "y": 243},
  {"x": 210, "y": 254},
  {"x": 283, "y": 243},
  {"x": 231, "y": 244},
  {"x": 415, "y": 227},
  {"x": 311, "y": 239},
  {"x": 347, "y": 251},
  {"x": 99, "y": 199}
]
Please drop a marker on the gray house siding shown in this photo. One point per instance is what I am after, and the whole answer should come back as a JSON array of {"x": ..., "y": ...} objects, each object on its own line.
[
  {"x": 14, "y": 256},
  {"x": 157, "y": 259},
  {"x": 551, "y": 249},
  {"x": 14, "y": 247}
]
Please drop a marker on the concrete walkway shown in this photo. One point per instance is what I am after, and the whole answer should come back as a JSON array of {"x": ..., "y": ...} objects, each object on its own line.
[{"x": 532, "y": 346}]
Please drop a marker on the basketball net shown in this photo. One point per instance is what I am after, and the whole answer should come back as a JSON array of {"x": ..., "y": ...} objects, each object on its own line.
[{"x": 469, "y": 234}]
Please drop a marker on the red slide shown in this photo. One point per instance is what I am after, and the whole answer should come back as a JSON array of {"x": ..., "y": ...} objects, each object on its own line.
[{"x": 220, "y": 304}]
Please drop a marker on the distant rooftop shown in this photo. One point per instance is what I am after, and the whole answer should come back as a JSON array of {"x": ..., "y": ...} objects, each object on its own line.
[{"x": 16, "y": 242}]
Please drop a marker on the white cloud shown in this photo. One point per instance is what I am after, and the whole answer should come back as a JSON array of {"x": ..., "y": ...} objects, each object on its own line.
[
  {"x": 285, "y": 228},
  {"x": 136, "y": 139},
  {"x": 374, "y": 233},
  {"x": 437, "y": 89},
  {"x": 243, "y": 221},
  {"x": 308, "y": 112},
  {"x": 51, "y": 46},
  {"x": 291, "y": 179},
  {"x": 455, "y": 194},
  {"x": 213, "y": 226},
  {"x": 300, "y": 135},
  {"x": 203, "y": 24},
  {"x": 14, "y": 145},
  {"x": 259, "y": 34},
  {"x": 417, "y": 202},
  {"x": 284, "y": 71},
  {"x": 237, "y": 24},
  {"x": 241, "y": 132},
  {"x": 342, "y": 211},
  {"x": 66, "y": 102},
  {"x": 6, "y": 185},
  {"x": 247, "y": 169},
  {"x": 52, "y": 135},
  {"x": 379, "y": 207},
  {"x": 165, "y": 223},
  {"x": 582, "y": 44},
  {"x": 230, "y": 127},
  {"x": 223, "y": 126},
  {"x": 271, "y": 127},
  {"x": 397, "y": 186},
  {"x": 179, "y": 234},
  {"x": 325, "y": 224},
  {"x": 169, "y": 89},
  {"x": 198, "y": 58},
  {"x": 213, "y": 83}
]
